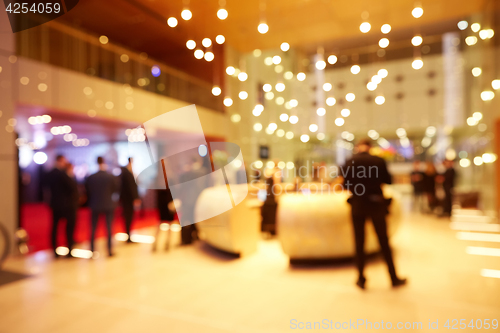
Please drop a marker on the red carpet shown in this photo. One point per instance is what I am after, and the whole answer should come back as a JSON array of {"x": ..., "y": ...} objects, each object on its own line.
[{"x": 37, "y": 221}]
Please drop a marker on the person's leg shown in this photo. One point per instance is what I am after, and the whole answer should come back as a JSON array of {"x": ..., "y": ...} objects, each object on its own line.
[
  {"x": 128, "y": 214},
  {"x": 358, "y": 221},
  {"x": 56, "y": 216},
  {"x": 109, "y": 226},
  {"x": 379, "y": 223},
  {"x": 70, "y": 228},
  {"x": 447, "y": 204},
  {"x": 94, "y": 221}
]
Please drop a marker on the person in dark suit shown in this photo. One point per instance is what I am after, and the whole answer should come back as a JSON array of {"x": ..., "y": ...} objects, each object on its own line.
[
  {"x": 129, "y": 196},
  {"x": 448, "y": 181},
  {"x": 417, "y": 180},
  {"x": 100, "y": 189},
  {"x": 62, "y": 202},
  {"x": 363, "y": 176},
  {"x": 430, "y": 186}
]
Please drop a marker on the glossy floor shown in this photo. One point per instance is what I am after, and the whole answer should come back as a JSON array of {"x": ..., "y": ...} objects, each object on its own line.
[{"x": 196, "y": 289}]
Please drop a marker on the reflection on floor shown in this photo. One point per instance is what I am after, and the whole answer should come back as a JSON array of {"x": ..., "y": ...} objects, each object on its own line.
[{"x": 197, "y": 289}]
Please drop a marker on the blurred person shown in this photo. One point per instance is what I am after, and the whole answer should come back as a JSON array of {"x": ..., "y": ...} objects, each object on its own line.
[
  {"x": 166, "y": 210},
  {"x": 417, "y": 180},
  {"x": 129, "y": 196},
  {"x": 447, "y": 179},
  {"x": 430, "y": 186},
  {"x": 100, "y": 189},
  {"x": 62, "y": 193},
  {"x": 363, "y": 176}
]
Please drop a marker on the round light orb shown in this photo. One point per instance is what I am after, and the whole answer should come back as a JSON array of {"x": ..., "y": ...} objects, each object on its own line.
[
  {"x": 186, "y": 14},
  {"x": 339, "y": 121},
  {"x": 350, "y": 97},
  {"x": 383, "y": 42},
  {"x": 40, "y": 157},
  {"x": 257, "y": 127},
  {"x": 276, "y": 60},
  {"x": 242, "y": 76},
  {"x": 280, "y": 133},
  {"x": 263, "y": 28},
  {"x": 289, "y": 135},
  {"x": 383, "y": 73},
  {"x": 228, "y": 101},
  {"x": 475, "y": 27},
  {"x": 220, "y": 39},
  {"x": 278, "y": 69},
  {"x": 477, "y": 116},
  {"x": 288, "y": 75},
  {"x": 293, "y": 119},
  {"x": 304, "y": 138},
  {"x": 222, "y": 14},
  {"x": 198, "y": 54},
  {"x": 321, "y": 112},
  {"x": 172, "y": 22},
  {"x": 355, "y": 69},
  {"x": 345, "y": 113},
  {"x": 320, "y": 136},
  {"x": 216, "y": 91},
  {"x": 235, "y": 118},
  {"x": 256, "y": 112},
  {"x": 483, "y": 34},
  {"x": 478, "y": 160},
  {"x": 257, "y": 53},
  {"x": 332, "y": 59},
  {"x": 379, "y": 100},
  {"x": 330, "y": 101},
  {"x": 313, "y": 128},
  {"x": 294, "y": 103},
  {"x": 417, "y": 12},
  {"x": 371, "y": 86},
  {"x": 301, "y": 76},
  {"x": 269, "y": 95},
  {"x": 259, "y": 107},
  {"x": 417, "y": 40},
  {"x": 243, "y": 95},
  {"x": 272, "y": 126},
  {"x": 268, "y": 61},
  {"x": 103, "y": 39},
  {"x": 285, "y": 47},
  {"x": 327, "y": 86},
  {"x": 280, "y": 87},
  {"x": 267, "y": 87},
  {"x": 462, "y": 25},
  {"x": 320, "y": 65},
  {"x": 471, "y": 40},
  {"x": 191, "y": 44},
  {"x": 417, "y": 64},
  {"x": 365, "y": 27},
  {"x": 206, "y": 42},
  {"x": 209, "y": 56},
  {"x": 280, "y": 100},
  {"x": 495, "y": 84},
  {"x": 283, "y": 117},
  {"x": 476, "y": 71},
  {"x": 386, "y": 28},
  {"x": 487, "y": 95},
  {"x": 376, "y": 79},
  {"x": 155, "y": 71},
  {"x": 230, "y": 70}
]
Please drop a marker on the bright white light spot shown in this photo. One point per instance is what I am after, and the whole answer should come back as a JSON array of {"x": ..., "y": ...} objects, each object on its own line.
[
  {"x": 301, "y": 76},
  {"x": 332, "y": 59},
  {"x": 230, "y": 70},
  {"x": 206, "y": 42},
  {"x": 280, "y": 87},
  {"x": 320, "y": 65},
  {"x": 462, "y": 25},
  {"x": 339, "y": 121},
  {"x": 330, "y": 101},
  {"x": 285, "y": 47},
  {"x": 379, "y": 100},
  {"x": 289, "y": 135},
  {"x": 386, "y": 28},
  {"x": 350, "y": 97},
  {"x": 242, "y": 76},
  {"x": 186, "y": 14},
  {"x": 243, "y": 95},
  {"x": 216, "y": 91},
  {"x": 321, "y": 112},
  {"x": 293, "y": 119},
  {"x": 313, "y": 128},
  {"x": 417, "y": 64},
  {"x": 417, "y": 12},
  {"x": 263, "y": 28},
  {"x": 495, "y": 84},
  {"x": 220, "y": 39},
  {"x": 228, "y": 101},
  {"x": 172, "y": 22},
  {"x": 304, "y": 138},
  {"x": 235, "y": 118},
  {"x": 198, "y": 54},
  {"x": 475, "y": 27},
  {"x": 345, "y": 113},
  {"x": 365, "y": 27},
  {"x": 222, "y": 14},
  {"x": 487, "y": 95},
  {"x": 202, "y": 150},
  {"x": 257, "y": 127},
  {"x": 383, "y": 42},
  {"x": 417, "y": 40},
  {"x": 327, "y": 86},
  {"x": 283, "y": 117},
  {"x": 355, "y": 69},
  {"x": 40, "y": 157},
  {"x": 276, "y": 59}
]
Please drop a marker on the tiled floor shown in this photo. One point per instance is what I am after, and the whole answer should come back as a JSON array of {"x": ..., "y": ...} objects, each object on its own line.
[{"x": 195, "y": 289}]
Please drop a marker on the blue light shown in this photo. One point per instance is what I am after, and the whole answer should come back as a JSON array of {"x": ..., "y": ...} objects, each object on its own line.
[
  {"x": 155, "y": 70},
  {"x": 202, "y": 150}
]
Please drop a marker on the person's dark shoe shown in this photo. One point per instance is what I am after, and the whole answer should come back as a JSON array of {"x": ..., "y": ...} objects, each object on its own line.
[
  {"x": 399, "y": 282},
  {"x": 361, "y": 283}
]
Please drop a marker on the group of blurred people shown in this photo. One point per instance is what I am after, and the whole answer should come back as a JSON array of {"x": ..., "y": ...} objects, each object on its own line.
[
  {"x": 100, "y": 187},
  {"x": 431, "y": 189}
]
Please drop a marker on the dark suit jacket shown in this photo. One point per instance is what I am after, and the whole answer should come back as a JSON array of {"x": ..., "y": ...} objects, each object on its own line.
[
  {"x": 449, "y": 179},
  {"x": 365, "y": 172},
  {"x": 100, "y": 188},
  {"x": 61, "y": 190},
  {"x": 128, "y": 189}
]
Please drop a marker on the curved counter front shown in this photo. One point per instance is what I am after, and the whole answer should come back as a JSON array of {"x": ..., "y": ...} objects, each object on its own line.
[{"x": 318, "y": 226}]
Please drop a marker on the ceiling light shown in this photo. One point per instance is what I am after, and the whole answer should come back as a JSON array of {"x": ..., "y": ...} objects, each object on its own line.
[
  {"x": 242, "y": 76},
  {"x": 491, "y": 33},
  {"x": 321, "y": 64},
  {"x": 243, "y": 95},
  {"x": 186, "y": 15},
  {"x": 235, "y": 118},
  {"x": 327, "y": 86},
  {"x": 417, "y": 64},
  {"x": 209, "y": 56},
  {"x": 257, "y": 53},
  {"x": 269, "y": 96},
  {"x": 285, "y": 47},
  {"x": 383, "y": 73},
  {"x": 280, "y": 87},
  {"x": 288, "y": 75},
  {"x": 476, "y": 71},
  {"x": 487, "y": 95},
  {"x": 206, "y": 42},
  {"x": 320, "y": 136},
  {"x": 313, "y": 128},
  {"x": 417, "y": 40},
  {"x": 365, "y": 27},
  {"x": 293, "y": 119},
  {"x": 332, "y": 59},
  {"x": 371, "y": 86},
  {"x": 228, "y": 101},
  {"x": 276, "y": 59},
  {"x": 268, "y": 61},
  {"x": 216, "y": 91},
  {"x": 417, "y": 12},
  {"x": 339, "y": 121},
  {"x": 273, "y": 126},
  {"x": 267, "y": 87},
  {"x": 103, "y": 39},
  {"x": 294, "y": 103},
  {"x": 350, "y": 97},
  {"x": 222, "y": 14},
  {"x": 191, "y": 44},
  {"x": 321, "y": 112},
  {"x": 220, "y": 39},
  {"x": 301, "y": 76},
  {"x": 259, "y": 107},
  {"x": 383, "y": 43},
  {"x": 477, "y": 116},
  {"x": 376, "y": 79},
  {"x": 289, "y": 136},
  {"x": 386, "y": 28},
  {"x": 198, "y": 54},
  {"x": 495, "y": 84},
  {"x": 263, "y": 28},
  {"x": 475, "y": 27},
  {"x": 345, "y": 113},
  {"x": 280, "y": 100},
  {"x": 355, "y": 69},
  {"x": 257, "y": 127},
  {"x": 471, "y": 40},
  {"x": 462, "y": 25},
  {"x": 172, "y": 22},
  {"x": 483, "y": 34},
  {"x": 283, "y": 117},
  {"x": 379, "y": 100},
  {"x": 230, "y": 70},
  {"x": 304, "y": 138},
  {"x": 330, "y": 101}
]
